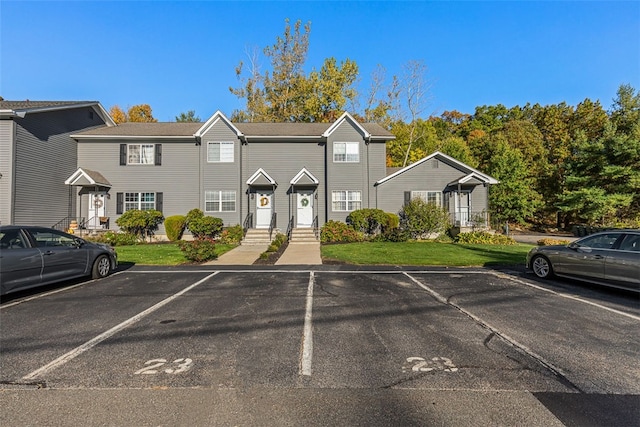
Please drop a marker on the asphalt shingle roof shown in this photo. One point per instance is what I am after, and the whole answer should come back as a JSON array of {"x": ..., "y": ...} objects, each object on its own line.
[
  {"x": 248, "y": 129},
  {"x": 27, "y": 105}
]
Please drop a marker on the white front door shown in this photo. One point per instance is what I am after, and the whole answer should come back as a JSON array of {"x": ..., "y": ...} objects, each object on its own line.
[
  {"x": 305, "y": 209},
  {"x": 463, "y": 208},
  {"x": 263, "y": 209},
  {"x": 97, "y": 209}
]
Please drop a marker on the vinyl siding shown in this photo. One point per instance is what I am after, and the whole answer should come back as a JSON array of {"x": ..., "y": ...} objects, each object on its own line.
[
  {"x": 282, "y": 161},
  {"x": 7, "y": 134},
  {"x": 222, "y": 176},
  {"x": 45, "y": 156},
  {"x": 346, "y": 176},
  {"x": 390, "y": 195},
  {"x": 176, "y": 177}
]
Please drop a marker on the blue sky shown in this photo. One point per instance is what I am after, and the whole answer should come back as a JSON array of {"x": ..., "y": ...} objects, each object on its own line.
[{"x": 181, "y": 55}]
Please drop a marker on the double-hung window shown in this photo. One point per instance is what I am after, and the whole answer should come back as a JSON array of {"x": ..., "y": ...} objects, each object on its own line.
[
  {"x": 220, "y": 201},
  {"x": 140, "y": 154},
  {"x": 346, "y": 200},
  {"x": 434, "y": 197},
  {"x": 346, "y": 152},
  {"x": 220, "y": 152},
  {"x": 140, "y": 201}
]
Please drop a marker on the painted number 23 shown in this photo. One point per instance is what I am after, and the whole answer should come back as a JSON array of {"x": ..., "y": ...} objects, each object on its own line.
[{"x": 177, "y": 366}]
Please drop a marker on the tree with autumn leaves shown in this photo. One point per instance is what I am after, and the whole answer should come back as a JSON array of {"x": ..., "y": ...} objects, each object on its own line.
[{"x": 556, "y": 163}]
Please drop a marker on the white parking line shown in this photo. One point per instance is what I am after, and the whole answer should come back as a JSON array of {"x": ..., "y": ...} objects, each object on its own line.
[
  {"x": 563, "y": 295},
  {"x": 557, "y": 371},
  {"x": 93, "y": 342},
  {"x": 307, "y": 339}
]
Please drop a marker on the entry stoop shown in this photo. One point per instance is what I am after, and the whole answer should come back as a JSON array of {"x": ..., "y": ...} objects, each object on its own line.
[
  {"x": 256, "y": 236},
  {"x": 303, "y": 235}
]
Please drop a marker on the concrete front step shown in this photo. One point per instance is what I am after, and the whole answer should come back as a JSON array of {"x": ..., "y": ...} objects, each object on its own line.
[
  {"x": 256, "y": 237},
  {"x": 303, "y": 235}
]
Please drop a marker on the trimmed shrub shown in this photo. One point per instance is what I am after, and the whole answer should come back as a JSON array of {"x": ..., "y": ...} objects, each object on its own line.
[
  {"x": 140, "y": 223},
  {"x": 205, "y": 226},
  {"x": 368, "y": 221},
  {"x": 550, "y": 242},
  {"x": 484, "y": 238},
  {"x": 231, "y": 235},
  {"x": 339, "y": 232},
  {"x": 419, "y": 218},
  {"x": 116, "y": 239},
  {"x": 192, "y": 215},
  {"x": 392, "y": 235},
  {"x": 174, "y": 226},
  {"x": 200, "y": 250},
  {"x": 393, "y": 221},
  {"x": 277, "y": 242}
]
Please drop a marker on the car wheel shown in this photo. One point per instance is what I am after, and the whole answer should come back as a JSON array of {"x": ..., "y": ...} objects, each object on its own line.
[
  {"x": 101, "y": 267},
  {"x": 542, "y": 267}
]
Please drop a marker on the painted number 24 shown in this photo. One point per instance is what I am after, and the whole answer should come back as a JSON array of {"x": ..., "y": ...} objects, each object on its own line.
[{"x": 177, "y": 366}]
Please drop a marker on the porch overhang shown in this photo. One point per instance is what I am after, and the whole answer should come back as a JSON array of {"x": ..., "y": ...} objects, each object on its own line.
[
  {"x": 260, "y": 178},
  {"x": 304, "y": 178},
  {"x": 89, "y": 181},
  {"x": 472, "y": 180}
]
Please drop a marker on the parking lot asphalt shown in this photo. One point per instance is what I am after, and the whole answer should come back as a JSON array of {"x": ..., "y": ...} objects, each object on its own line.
[{"x": 322, "y": 346}]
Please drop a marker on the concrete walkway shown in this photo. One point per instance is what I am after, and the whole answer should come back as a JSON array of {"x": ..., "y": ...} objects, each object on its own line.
[
  {"x": 241, "y": 255},
  {"x": 301, "y": 253}
]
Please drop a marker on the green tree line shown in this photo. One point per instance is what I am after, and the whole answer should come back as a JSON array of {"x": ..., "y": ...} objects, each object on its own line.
[{"x": 557, "y": 164}]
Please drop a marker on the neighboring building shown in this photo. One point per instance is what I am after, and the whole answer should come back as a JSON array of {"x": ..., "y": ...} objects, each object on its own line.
[
  {"x": 261, "y": 175},
  {"x": 37, "y": 155},
  {"x": 441, "y": 179}
]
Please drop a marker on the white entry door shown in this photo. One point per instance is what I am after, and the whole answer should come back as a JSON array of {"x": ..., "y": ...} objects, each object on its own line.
[
  {"x": 263, "y": 209},
  {"x": 97, "y": 209},
  {"x": 463, "y": 208},
  {"x": 305, "y": 209}
]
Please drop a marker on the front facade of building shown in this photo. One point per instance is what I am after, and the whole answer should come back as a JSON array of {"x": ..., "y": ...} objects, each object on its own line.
[{"x": 261, "y": 175}]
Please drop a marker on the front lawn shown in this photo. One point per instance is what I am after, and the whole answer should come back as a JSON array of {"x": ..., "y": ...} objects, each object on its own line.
[
  {"x": 426, "y": 253},
  {"x": 158, "y": 254}
]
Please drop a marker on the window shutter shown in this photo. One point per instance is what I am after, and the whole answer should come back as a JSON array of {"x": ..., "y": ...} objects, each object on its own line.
[
  {"x": 119, "y": 203},
  {"x": 407, "y": 197},
  {"x": 123, "y": 154},
  {"x": 159, "y": 202},
  {"x": 158, "y": 151}
]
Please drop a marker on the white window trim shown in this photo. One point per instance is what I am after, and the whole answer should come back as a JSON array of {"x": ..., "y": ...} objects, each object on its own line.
[
  {"x": 346, "y": 152},
  {"x": 138, "y": 202},
  {"x": 418, "y": 194},
  {"x": 221, "y": 144},
  {"x": 141, "y": 163},
  {"x": 347, "y": 201},
  {"x": 219, "y": 201}
]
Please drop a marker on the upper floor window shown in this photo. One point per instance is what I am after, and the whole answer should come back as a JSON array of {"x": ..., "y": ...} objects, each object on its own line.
[
  {"x": 346, "y": 200},
  {"x": 140, "y": 154},
  {"x": 220, "y": 201},
  {"x": 346, "y": 152},
  {"x": 220, "y": 152},
  {"x": 434, "y": 197}
]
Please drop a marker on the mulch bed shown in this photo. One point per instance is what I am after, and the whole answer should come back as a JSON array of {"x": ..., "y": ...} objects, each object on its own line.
[{"x": 272, "y": 257}]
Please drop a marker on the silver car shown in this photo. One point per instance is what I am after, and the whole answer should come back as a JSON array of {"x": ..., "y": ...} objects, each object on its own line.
[
  {"x": 36, "y": 256},
  {"x": 610, "y": 258}
]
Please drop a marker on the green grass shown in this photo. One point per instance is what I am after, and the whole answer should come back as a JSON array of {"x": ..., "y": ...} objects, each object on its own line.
[
  {"x": 158, "y": 254},
  {"x": 426, "y": 253}
]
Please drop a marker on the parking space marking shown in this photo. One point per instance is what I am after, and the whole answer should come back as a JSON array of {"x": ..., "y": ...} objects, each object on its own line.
[
  {"x": 307, "y": 340},
  {"x": 521, "y": 347},
  {"x": 55, "y": 291},
  {"x": 563, "y": 295},
  {"x": 98, "y": 339}
]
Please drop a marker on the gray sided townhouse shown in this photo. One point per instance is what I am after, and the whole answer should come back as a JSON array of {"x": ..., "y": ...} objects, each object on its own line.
[
  {"x": 282, "y": 176},
  {"x": 37, "y": 155}
]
